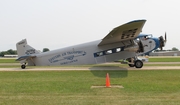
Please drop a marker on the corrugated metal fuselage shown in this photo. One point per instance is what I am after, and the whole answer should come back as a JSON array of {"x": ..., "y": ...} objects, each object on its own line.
[{"x": 87, "y": 53}]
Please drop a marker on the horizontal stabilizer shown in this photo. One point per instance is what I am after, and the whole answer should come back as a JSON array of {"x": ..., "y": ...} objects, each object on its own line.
[{"x": 26, "y": 57}]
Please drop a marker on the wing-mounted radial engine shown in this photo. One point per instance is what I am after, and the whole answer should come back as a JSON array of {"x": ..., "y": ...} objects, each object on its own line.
[
  {"x": 141, "y": 47},
  {"x": 135, "y": 47},
  {"x": 134, "y": 61}
]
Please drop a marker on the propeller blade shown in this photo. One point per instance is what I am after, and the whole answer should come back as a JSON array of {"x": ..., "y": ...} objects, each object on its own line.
[
  {"x": 165, "y": 37},
  {"x": 162, "y": 41}
]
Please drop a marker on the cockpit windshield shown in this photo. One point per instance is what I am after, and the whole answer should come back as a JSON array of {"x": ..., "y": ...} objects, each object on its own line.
[
  {"x": 149, "y": 36},
  {"x": 143, "y": 37}
]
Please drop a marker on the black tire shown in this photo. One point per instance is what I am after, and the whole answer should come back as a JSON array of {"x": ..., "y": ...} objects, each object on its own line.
[
  {"x": 23, "y": 66},
  {"x": 138, "y": 64}
]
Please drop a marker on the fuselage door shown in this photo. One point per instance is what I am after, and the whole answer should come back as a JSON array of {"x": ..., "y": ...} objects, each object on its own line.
[{"x": 99, "y": 57}]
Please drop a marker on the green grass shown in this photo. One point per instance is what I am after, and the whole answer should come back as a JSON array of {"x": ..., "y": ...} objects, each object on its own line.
[
  {"x": 171, "y": 59},
  {"x": 73, "y": 87},
  {"x": 8, "y": 60},
  {"x": 161, "y": 65},
  {"x": 142, "y": 87}
]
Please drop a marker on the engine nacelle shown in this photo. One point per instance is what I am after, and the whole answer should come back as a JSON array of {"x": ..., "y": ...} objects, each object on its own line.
[
  {"x": 133, "y": 48},
  {"x": 141, "y": 47},
  {"x": 137, "y": 47}
]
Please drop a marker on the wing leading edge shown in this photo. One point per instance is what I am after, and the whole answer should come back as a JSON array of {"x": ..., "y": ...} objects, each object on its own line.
[{"x": 124, "y": 32}]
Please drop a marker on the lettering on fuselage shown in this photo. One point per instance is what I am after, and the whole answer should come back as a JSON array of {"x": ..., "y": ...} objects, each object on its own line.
[{"x": 67, "y": 57}]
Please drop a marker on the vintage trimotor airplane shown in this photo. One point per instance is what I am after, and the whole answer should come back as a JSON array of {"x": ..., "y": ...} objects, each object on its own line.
[{"x": 123, "y": 42}]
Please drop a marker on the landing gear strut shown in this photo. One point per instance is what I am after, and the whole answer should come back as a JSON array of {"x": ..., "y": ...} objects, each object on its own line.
[
  {"x": 131, "y": 62},
  {"x": 135, "y": 62}
]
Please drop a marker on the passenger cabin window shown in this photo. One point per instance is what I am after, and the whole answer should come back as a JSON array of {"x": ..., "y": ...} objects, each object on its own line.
[
  {"x": 108, "y": 51},
  {"x": 118, "y": 49},
  {"x": 99, "y": 53}
]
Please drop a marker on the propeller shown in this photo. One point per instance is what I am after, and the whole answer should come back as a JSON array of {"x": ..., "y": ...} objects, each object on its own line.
[
  {"x": 162, "y": 41},
  {"x": 165, "y": 37}
]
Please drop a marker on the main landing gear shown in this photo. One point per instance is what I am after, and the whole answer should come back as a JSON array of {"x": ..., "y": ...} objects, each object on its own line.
[
  {"x": 138, "y": 64},
  {"x": 135, "y": 62}
]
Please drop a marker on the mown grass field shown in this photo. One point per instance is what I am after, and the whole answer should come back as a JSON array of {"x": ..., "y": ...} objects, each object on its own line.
[
  {"x": 151, "y": 87},
  {"x": 74, "y": 87},
  {"x": 164, "y": 59},
  {"x": 8, "y": 60}
]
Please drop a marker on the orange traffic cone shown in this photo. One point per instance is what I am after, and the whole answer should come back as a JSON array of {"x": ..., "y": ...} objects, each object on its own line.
[{"x": 107, "y": 80}]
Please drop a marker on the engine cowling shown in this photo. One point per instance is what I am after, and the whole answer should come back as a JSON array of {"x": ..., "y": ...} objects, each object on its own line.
[{"x": 136, "y": 47}]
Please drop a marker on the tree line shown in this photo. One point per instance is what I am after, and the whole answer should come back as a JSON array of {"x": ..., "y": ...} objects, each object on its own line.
[
  {"x": 8, "y": 52},
  {"x": 14, "y": 52}
]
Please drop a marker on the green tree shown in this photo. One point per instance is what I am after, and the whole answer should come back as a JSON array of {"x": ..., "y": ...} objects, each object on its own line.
[
  {"x": 175, "y": 49},
  {"x": 45, "y": 49},
  {"x": 8, "y": 52},
  {"x": 2, "y": 53},
  {"x": 12, "y": 52}
]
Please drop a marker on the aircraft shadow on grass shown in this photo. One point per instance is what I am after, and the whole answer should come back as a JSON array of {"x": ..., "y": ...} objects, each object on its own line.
[{"x": 114, "y": 71}]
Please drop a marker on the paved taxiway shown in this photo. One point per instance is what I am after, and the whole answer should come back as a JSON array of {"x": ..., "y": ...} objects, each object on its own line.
[{"x": 60, "y": 68}]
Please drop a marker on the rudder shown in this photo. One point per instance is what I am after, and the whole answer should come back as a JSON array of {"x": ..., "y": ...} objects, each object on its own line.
[{"x": 24, "y": 49}]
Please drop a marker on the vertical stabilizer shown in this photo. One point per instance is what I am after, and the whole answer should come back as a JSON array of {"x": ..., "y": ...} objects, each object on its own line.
[
  {"x": 24, "y": 49},
  {"x": 20, "y": 46}
]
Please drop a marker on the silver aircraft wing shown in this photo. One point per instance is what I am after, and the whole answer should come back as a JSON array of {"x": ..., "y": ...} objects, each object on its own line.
[{"x": 124, "y": 32}]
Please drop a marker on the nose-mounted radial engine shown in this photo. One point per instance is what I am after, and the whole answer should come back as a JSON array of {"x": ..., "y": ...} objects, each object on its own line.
[{"x": 137, "y": 47}]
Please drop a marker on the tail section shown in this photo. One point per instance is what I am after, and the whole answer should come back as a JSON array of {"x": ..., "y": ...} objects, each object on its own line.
[
  {"x": 24, "y": 49},
  {"x": 25, "y": 53}
]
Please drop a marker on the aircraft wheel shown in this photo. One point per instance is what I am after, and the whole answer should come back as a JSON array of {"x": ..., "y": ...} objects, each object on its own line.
[
  {"x": 131, "y": 65},
  {"x": 138, "y": 64},
  {"x": 23, "y": 66}
]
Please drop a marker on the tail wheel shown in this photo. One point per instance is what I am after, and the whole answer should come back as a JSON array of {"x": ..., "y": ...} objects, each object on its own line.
[
  {"x": 138, "y": 64},
  {"x": 23, "y": 66}
]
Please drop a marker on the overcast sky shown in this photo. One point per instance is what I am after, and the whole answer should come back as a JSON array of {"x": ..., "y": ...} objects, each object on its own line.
[{"x": 56, "y": 24}]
